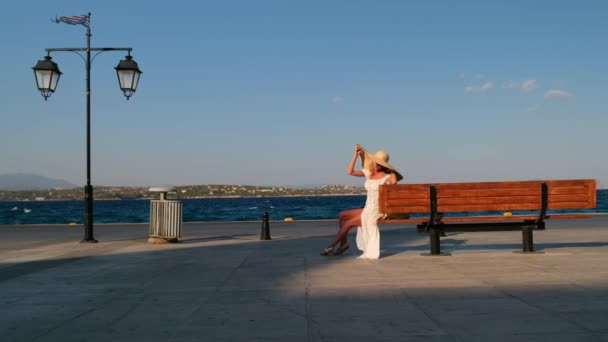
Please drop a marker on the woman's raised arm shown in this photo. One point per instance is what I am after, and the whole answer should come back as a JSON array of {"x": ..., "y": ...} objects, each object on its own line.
[{"x": 351, "y": 166}]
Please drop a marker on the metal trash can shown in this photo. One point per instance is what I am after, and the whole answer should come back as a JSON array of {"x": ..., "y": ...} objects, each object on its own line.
[{"x": 165, "y": 218}]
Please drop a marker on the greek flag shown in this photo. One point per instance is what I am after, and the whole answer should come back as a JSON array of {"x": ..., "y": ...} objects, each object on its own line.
[{"x": 74, "y": 20}]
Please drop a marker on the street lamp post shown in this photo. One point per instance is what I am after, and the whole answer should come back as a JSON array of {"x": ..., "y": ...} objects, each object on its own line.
[{"x": 47, "y": 77}]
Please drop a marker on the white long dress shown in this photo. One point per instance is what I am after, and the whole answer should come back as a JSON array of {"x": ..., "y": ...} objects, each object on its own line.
[{"x": 368, "y": 235}]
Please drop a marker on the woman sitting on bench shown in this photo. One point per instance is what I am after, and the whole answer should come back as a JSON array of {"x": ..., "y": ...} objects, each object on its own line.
[{"x": 377, "y": 171}]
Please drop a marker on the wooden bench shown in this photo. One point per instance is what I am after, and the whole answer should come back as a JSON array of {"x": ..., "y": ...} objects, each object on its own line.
[{"x": 464, "y": 207}]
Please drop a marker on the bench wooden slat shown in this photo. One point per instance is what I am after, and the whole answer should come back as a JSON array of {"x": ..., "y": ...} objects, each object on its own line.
[
  {"x": 489, "y": 200},
  {"x": 568, "y": 191},
  {"x": 555, "y": 202},
  {"x": 466, "y": 219},
  {"x": 406, "y": 195},
  {"x": 512, "y": 218},
  {"x": 488, "y": 192},
  {"x": 419, "y": 220},
  {"x": 568, "y": 216},
  {"x": 487, "y": 207},
  {"x": 570, "y": 183},
  {"x": 569, "y": 205},
  {"x": 489, "y": 185},
  {"x": 407, "y": 209},
  {"x": 569, "y": 198},
  {"x": 406, "y": 187},
  {"x": 489, "y": 218},
  {"x": 401, "y": 202}
]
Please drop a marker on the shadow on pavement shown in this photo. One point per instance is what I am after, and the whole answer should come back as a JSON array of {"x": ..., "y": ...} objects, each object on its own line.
[{"x": 221, "y": 286}]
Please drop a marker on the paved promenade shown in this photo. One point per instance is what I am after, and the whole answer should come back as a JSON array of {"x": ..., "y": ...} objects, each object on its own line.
[{"x": 221, "y": 283}]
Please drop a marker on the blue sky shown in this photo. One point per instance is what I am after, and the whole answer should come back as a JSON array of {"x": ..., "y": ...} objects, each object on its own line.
[{"x": 279, "y": 92}]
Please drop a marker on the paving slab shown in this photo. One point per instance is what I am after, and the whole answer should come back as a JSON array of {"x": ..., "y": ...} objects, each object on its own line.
[{"x": 222, "y": 283}]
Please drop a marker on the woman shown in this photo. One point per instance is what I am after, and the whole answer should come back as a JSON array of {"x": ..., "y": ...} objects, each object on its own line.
[{"x": 377, "y": 171}]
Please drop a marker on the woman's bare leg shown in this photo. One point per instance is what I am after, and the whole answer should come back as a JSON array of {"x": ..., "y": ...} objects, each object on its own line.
[{"x": 347, "y": 219}]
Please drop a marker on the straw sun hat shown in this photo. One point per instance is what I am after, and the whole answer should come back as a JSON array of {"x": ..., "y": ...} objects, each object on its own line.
[{"x": 380, "y": 157}]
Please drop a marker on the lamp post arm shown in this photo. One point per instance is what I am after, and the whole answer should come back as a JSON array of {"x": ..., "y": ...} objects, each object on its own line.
[
  {"x": 89, "y": 49},
  {"x": 77, "y": 51},
  {"x": 84, "y": 59}
]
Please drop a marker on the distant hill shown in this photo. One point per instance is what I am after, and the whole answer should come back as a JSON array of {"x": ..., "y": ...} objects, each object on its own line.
[{"x": 26, "y": 181}]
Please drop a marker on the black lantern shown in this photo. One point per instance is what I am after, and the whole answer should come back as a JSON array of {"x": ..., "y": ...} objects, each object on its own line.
[
  {"x": 128, "y": 76},
  {"x": 47, "y": 76}
]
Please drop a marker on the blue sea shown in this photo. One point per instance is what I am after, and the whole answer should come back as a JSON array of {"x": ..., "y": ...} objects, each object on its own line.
[{"x": 207, "y": 209}]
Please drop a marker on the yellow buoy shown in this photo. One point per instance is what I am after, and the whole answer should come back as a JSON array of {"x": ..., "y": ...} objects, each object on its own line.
[
  {"x": 72, "y": 224},
  {"x": 288, "y": 219},
  {"x": 508, "y": 213}
]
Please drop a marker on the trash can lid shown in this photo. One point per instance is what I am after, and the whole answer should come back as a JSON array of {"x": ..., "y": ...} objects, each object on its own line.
[{"x": 159, "y": 189}]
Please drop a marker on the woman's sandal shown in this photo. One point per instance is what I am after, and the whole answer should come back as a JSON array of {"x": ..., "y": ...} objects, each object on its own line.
[
  {"x": 328, "y": 251},
  {"x": 342, "y": 249}
]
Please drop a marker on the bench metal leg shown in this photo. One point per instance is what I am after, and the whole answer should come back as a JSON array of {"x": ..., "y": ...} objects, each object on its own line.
[
  {"x": 435, "y": 242},
  {"x": 435, "y": 235},
  {"x": 528, "y": 240}
]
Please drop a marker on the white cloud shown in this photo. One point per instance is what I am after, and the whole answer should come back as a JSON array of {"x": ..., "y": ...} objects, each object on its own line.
[
  {"x": 557, "y": 93},
  {"x": 486, "y": 86},
  {"x": 528, "y": 85},
  {"x": 480, "y": 89},
  {"x": 337, "y": 99}
]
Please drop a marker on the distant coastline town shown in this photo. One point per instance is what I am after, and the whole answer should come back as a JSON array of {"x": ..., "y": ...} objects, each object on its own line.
[{"x": 179, "y": 192}]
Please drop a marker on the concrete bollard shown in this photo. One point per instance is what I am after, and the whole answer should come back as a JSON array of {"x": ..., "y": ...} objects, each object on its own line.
[{"x": 265, "y": 228}]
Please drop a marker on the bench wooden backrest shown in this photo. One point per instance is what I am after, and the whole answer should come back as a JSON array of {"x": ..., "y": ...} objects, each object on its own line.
[
  {"x": 488, "y": 196},
  {"x": 454, "y": 197},
  {"x": 405, "y": 198},
  {"x": 572, "y": 194}
]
